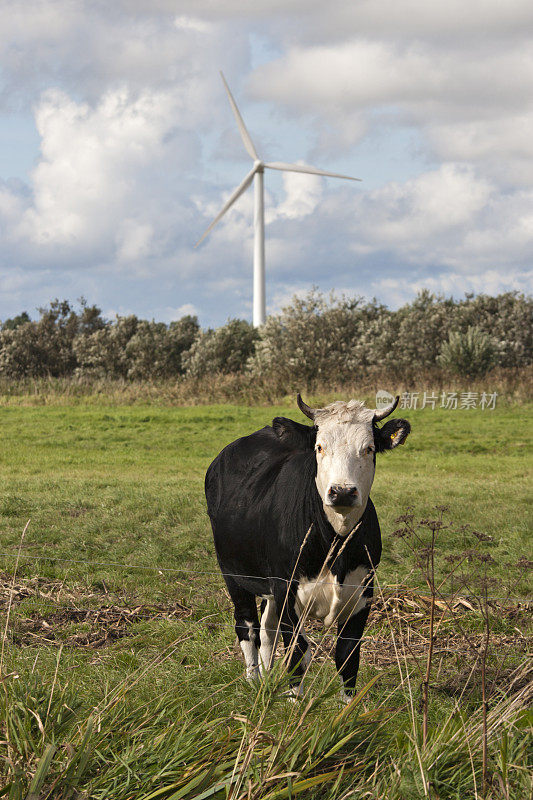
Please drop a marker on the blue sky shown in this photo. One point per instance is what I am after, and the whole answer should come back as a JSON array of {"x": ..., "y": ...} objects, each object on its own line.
[{"x": 118, "y": 147}]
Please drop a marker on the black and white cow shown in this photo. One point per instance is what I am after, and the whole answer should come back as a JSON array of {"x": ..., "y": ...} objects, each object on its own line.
[{"x": 294, "y": 524}]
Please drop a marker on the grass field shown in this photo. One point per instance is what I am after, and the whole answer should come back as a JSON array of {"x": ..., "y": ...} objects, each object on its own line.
[{"x": 121, "y": 677}]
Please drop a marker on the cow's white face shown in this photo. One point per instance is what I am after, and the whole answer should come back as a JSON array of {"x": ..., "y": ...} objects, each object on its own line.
[
  {"x": 346, "y": 443},
  {"x": 345, "y": 456}
]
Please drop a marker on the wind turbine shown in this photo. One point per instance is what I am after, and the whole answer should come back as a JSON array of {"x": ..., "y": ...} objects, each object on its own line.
[{"x": 256, "y": 174}]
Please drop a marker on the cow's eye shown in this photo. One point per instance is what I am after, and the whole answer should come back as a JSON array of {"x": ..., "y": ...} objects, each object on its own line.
[
  {"x": 369, "y": 450},
  {"x": 319, "y": 448}
]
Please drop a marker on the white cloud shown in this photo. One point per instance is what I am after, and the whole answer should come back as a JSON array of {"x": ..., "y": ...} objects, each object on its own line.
[
  {"x": 133, "y": 240},
  {"x": 503, "y": 146},
  {"x": 90, "y": 157},
  {"x": 102, "y": 177},
  {"x": 386, "y": 65},
  {"x": 363, "y": 73},
  {"x": 183, "y": 311},
  {"x": 192, "y": 24},
  {"x": 302, "y": 195},
  {"x": 12, "y": 205},
  {"x": 430, "y": 205},
  {"x": 310, "y": 19},
  {"x": 395, "y": 291},
  {"x": 449, "y": 217},
  {"x": 139, "y": 149},
  {"x": 88, "y": 49},
  {"x": 448, "y": 229}
]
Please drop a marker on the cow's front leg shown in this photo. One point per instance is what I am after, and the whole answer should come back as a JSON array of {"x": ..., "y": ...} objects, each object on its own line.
[
  {"x": 294, "y": 640},
  {"x": 348, "y": 648}
]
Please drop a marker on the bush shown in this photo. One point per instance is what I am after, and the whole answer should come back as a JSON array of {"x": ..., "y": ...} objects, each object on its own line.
[
  {"x": 11, "y": 324},
  {"x": 411, "y": 338},
  {"x": 46, "y": 347},
  {"x": 507, "y": 319},
  {"x": 103, "y": 353},
  {"x": 315, "y": 339},
  {"x": 155, "y": 350},
  {"x": 469, "y": 354},
  {"x": 224, "y": 350}
]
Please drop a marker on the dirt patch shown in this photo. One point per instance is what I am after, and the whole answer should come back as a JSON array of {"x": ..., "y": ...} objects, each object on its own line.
[
  {"x": 408, "y": 605},
  {"x": 397, "y": 630},
  {"x": 100, "y": 627},
  {"x": 46, "y": 589},
  {"x": 71, "y": 622}
]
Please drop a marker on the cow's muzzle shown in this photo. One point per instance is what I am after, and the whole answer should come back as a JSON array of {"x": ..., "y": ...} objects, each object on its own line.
[{"x": 343, "y": 496}]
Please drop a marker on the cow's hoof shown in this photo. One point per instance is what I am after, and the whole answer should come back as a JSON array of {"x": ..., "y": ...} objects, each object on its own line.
[
  {"x": 345, "y": 698},
  {"x": 294, "y": 694},
  {"x": 252, "y": 674}
]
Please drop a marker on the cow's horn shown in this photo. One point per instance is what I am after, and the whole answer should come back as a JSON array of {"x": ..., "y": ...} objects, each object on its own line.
[
  {"x": 304, "y": 408},
  {"x": 386, "y": 411}
]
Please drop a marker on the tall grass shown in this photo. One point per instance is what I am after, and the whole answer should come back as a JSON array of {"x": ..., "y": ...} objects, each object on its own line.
[
  {"x": 54, "y": 747},
  {"x": 511, "y": 385}
]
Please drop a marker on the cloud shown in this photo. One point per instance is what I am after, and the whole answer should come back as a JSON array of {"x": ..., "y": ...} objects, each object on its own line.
[
  {"x": 139, "y": 150},
  {"x": 309, "y": 19},
  {"x": 503, "y": 146},
  {"x": 410, "y": 19},
  {"x": 101, "y": 178},
  {"x": 445, "y": 70},
  {"x": 182, "y": 311},
  {"x": 445, "y": 228},
  {"x": 421, "y": 84},
  {"x": 88, "y": 49},
  {"x": 134, "y": 240},
  {"x": 433, "y": 204},
  {"x": 302, "y": 195},
  {"x": 449, "y": 217},
  {"x": 397, "y": 291}
]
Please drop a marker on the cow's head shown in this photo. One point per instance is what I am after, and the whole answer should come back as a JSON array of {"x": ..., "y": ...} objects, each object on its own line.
[{"x": 347, "y": 441}]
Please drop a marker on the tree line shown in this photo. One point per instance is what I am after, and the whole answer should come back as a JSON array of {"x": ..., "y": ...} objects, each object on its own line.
[{"x": 315, "y": 339}]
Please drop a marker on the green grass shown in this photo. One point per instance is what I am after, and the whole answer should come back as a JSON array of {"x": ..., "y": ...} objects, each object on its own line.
[
  {"x": 115, "y": 498},
  {"x": 126, "y": 485}
]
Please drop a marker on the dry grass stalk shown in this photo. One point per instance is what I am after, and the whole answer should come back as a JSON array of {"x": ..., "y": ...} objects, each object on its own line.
[{"x": 11, "y": 593}]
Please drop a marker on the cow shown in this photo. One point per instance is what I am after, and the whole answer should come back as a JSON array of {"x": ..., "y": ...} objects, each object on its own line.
[{"x": 294, "y": 526}]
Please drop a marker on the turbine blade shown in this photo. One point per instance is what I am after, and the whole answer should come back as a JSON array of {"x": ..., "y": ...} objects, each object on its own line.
[
  {"x": 241, "y": 188},
  {"x": 310, "y": 170},
  {"x": 245, "y": 136}
]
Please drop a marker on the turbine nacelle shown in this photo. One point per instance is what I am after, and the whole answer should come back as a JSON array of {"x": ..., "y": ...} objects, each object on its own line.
[{"x": 259, "y": 314}]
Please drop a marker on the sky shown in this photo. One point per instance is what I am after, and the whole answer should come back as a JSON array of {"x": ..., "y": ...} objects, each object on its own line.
[{"x": 118, "y": 147}]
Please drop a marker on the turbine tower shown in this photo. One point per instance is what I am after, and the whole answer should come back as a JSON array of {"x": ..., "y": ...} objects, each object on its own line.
[{"x": 256, "y": 174}]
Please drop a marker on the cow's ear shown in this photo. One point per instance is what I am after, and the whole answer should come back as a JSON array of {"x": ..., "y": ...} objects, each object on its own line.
[
  {"x": 293, "y": 434},
  {"x": 393, "y": 433}
]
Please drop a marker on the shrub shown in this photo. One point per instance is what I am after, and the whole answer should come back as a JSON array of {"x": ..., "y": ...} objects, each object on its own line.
[
  {"x": 507, "y": 319},
  {"x": 15, "y": 322},
  {"x": 103, "y": 353},
  {"x": 45, "y": 347},
  {"x": 409, "y": 340},
  {"x": 469, "y": 354},
  {"x": 225, "y": 350},
  {"x": 155, "y": 350},
  {"x": 315, "y": 339}
]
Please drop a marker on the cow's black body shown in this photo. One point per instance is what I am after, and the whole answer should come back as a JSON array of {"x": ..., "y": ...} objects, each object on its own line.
[{"x": 262, "y": 501}]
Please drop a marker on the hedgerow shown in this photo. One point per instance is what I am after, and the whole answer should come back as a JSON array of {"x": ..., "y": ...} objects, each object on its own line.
[{"x": 317, "y": 339}]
